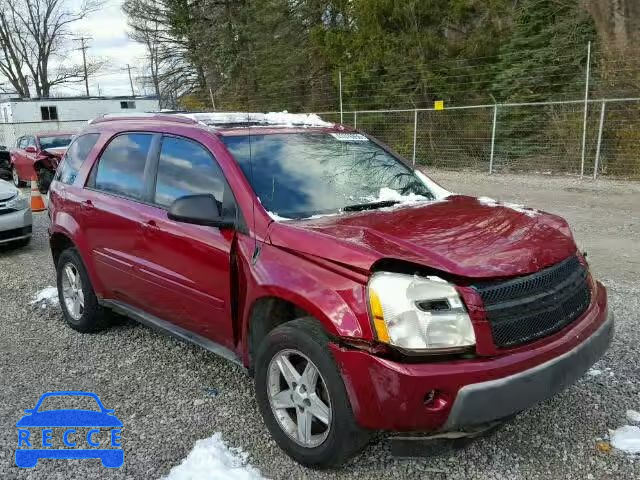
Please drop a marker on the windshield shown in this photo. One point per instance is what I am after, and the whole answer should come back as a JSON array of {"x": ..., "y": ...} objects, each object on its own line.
[
  {"x": 55, "y": 141},
  {"x": 298, "y": 175}
]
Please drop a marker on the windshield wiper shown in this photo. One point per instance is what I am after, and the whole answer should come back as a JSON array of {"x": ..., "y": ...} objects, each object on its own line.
[{"x": 358, "y": 207}]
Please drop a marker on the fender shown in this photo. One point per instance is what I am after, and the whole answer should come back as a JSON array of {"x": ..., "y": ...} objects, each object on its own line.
[
  {"x": 338, "y": 302},
  {"x": 66, "y": 225}
]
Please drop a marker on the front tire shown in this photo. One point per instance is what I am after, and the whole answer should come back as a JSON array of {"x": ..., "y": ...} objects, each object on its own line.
[
  {"x": 77, "y": 298},
  {"x": 302, "y": 397},
  {"x": 16, "y": 178}
]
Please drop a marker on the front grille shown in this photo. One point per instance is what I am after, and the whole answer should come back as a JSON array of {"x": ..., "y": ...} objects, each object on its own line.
[{"x": 527, "y": 308}]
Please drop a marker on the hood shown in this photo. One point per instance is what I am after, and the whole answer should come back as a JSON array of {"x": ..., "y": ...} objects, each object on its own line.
[
  {"x": 56, "y": 152},
  {"x": 7, "y": 190},
  {"x": 461, "y": 235}
]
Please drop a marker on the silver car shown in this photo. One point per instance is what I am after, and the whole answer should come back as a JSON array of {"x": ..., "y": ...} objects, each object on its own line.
[{"x": 15, "y": 215}]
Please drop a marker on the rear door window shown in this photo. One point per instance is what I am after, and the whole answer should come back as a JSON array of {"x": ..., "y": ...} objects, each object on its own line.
[
  {"x": 74, "y": 158},
  {"x": 186, "y": 168},
  {"x": 121, "y": 166}
]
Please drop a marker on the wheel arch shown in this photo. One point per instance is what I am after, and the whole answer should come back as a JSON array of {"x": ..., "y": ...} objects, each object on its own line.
[{"x": 69, "y": 235}]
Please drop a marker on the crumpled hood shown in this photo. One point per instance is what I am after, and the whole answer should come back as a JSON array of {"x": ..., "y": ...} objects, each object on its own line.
[
  {"x": 460, "y": 235},
  {"x": 7, "y": 190}
]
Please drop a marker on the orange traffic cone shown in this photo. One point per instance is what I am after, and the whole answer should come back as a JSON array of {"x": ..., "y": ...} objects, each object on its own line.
[{"x": 37, "y": 202}]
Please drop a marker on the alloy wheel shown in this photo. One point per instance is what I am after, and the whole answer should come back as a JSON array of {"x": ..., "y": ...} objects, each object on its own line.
[
  {"x": 299, "y": 398},
  {"x": 16, "y": 178},
  {"x": 72, "y": 293}
]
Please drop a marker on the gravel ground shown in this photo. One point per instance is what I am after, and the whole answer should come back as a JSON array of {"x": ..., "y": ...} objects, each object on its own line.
[{"x": 161, "y": 388}]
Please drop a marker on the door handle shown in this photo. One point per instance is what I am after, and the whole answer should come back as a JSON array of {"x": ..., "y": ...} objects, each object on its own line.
[
  {"x": 150, "y": 226},
  {"x": 86, "y": 205}
]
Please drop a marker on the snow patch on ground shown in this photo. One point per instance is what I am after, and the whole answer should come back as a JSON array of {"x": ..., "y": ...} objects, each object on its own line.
[
  {"x": 633, "y": 416},
  {"x": 594, "y": 372},
  {"x": 626, "y": 438},
  {"x": 46, "y": 296},
  {"x": 212, "y": 458},
  {"x": 490, "y": 202}
]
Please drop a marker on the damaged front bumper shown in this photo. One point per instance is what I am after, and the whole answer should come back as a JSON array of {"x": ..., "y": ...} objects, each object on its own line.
[{"x": 452, "y": 395}]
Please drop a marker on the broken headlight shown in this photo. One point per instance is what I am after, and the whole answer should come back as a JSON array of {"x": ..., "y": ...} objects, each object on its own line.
[{"x": 418, "y": 313}]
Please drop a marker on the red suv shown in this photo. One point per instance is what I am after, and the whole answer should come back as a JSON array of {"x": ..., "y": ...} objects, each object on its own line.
[{"x": 359, "y": 294}]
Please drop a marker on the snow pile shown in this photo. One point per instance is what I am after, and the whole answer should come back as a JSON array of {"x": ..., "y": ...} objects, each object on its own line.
[
  {"x": 438, "y": 192},
  {"x": 389, "y": 194},
  {"x": 211, "y": 458},
  {"x": 46, "y": 296},
  {"x": 278, "y": 218},
  {"x": 272, "y": 118},
  {"x": 633, "y": 416},
  {"x": 594, "y": 372},
  {"x": 490, "y": 202},
  {"x": 626, "y": 438}
]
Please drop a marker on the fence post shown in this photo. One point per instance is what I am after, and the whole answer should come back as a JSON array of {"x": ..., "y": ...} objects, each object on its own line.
[
  {"x": 340, "y": 92},
  {"x": 415, "y": 134},
  {"x": 600, "y": 128},
  {"x": 586, "y": 106},
  {"x": 493, "y": 137},
  {"x": 355, "y": 119}
]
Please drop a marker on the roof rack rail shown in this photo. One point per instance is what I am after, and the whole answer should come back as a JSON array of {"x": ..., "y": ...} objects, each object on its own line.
[
  {"x": 166, "y": 117},
  {"x": 222, "y": 119}
]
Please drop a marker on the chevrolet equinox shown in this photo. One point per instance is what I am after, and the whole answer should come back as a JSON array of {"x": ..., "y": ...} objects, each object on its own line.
[{"x": 360, "y": 295}]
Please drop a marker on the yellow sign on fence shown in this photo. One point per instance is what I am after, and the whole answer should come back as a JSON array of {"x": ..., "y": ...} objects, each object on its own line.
[{"x": 439, "y": 104}]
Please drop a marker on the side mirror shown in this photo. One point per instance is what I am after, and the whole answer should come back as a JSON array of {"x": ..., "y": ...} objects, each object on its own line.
[
  {"x": 30, "y": 149},
  {"x": 199, "y": 210}
]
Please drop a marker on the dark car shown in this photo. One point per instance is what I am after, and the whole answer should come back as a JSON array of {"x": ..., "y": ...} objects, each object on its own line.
[
  {"x": 36, "y": 157},
  {"x": 5, "y": 164},
  {"x": 361, "y": 296}
]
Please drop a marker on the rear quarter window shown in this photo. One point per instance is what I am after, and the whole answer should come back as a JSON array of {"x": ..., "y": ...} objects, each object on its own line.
[{"x": 74, "y": 158}]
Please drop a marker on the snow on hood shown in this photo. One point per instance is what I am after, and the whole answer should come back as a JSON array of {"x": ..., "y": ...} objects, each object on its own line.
[
  {"x": 385, "y": 194},
  {"x": 272, "y": 118},
  {"x": 490, "y": 202}
]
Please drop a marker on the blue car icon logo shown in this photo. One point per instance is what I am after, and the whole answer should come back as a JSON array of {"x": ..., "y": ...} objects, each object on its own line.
[{"x": 75, "y": 429}]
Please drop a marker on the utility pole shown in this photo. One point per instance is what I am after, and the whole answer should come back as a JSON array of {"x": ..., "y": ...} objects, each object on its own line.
[
  {"x": 133, "y": 93},
  {"x": 84, "y": 47}
]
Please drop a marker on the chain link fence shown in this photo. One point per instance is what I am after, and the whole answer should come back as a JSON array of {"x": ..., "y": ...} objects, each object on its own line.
[
  {"x": 10, "y": 132},
  {"x": 541, "y": 137}
]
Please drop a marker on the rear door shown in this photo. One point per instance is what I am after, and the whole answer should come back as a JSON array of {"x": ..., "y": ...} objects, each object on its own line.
[
  {"x": 111, "y": 214},
  {"x": 187, "y": 267}
]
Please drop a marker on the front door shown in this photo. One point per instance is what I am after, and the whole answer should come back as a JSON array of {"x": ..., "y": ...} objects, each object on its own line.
[{"x": 188, "y": 266}]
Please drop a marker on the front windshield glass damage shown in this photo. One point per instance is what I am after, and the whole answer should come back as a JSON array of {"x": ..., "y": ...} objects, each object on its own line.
[{"x": 302, "y": 175}]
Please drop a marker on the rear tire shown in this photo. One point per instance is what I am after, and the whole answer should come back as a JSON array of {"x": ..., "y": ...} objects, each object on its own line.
[
  {"x": 306, "y": 340},
  {"x": 85, "y": 313}
]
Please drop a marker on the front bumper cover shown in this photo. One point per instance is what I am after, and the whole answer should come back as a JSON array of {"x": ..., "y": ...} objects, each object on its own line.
[{"x": 487, "y": 401}]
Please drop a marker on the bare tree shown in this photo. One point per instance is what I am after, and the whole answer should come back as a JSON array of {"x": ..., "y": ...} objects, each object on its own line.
[{"x": 35, "y": 33}]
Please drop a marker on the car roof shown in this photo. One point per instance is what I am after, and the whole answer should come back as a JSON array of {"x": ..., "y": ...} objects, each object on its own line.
[
  {"x": 220, "y": 123},
  {"x": 54, "y": 134}
]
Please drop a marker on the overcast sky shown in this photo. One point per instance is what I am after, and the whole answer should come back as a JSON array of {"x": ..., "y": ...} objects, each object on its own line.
[{"x": 108, "y": 31}]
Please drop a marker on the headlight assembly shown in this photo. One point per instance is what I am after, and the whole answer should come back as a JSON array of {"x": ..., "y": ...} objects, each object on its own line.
[{"x": 418, "y": 313}]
